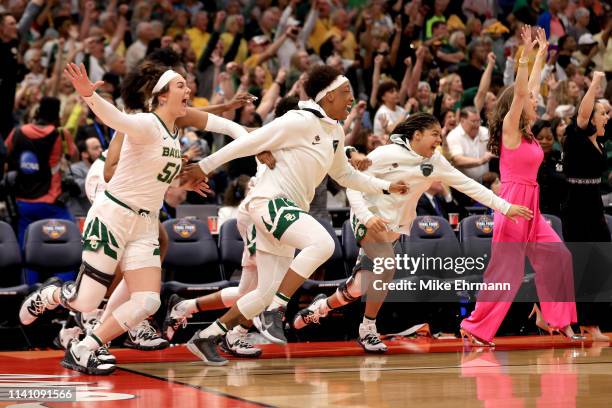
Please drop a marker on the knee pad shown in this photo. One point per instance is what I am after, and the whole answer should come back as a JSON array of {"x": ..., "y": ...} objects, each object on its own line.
[
  {"x": 140, "y": 306},
  {"x": 253, "y": 303},
  {"x": 70, "y": 290},
  {"x": 230, "y": 295},
  {"x": 313, "y": 256}
]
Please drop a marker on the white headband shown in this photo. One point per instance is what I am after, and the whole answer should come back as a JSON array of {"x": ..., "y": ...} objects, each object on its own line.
[
  {"x": 163, "y": 80},
  {"x": 338, "y": 82}
]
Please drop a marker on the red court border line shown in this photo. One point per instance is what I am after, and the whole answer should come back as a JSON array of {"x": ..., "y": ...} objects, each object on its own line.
[{"x": 202, "y": 389}]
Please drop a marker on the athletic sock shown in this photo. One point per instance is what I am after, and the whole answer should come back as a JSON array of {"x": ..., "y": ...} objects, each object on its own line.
[
  {"x": 279, "y": 301},
  {"x": 91, "y": 342},
  {"x": 188, "y": 307},
  {"x": 368, "y": 321},
  {"x": 215, "y": 329}
]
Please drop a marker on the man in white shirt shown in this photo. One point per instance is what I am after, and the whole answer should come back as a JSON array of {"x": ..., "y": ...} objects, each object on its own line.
[
  {"x": 467, "y": 145},
  {"x": 390, "y": 114},
  {"x": 138, "y": 49}
]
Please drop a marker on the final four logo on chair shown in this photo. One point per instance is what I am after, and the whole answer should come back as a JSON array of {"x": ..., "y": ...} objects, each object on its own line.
[
  {"x": 429, "y": 225},
  {"x": 184, "y": 228},
  {"x": 485, "y": 224},
  {"x": 54, "y": 229}
]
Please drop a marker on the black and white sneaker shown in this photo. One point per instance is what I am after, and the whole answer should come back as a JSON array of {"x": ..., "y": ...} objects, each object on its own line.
[
  {"x": 312, "y": 313},
  {"x": 67, "y": 335},
  {"x": 175, "y": 319},
  {"x": 36, "y": 303},
  {"x": 105, "y": 356},
  {"x": 145, "y": 337},
  {"x": 88, "y": 321},
  {"x": 206, "y": 349},
  {"x": 370, "y": 340},
  {"x": 236, "y": 343},
  {"x": 79, "y": 358},
  {"x": 270, "y": 325}
]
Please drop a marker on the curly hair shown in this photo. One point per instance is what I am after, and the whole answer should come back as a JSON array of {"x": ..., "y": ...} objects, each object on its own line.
[
  {"x": 496, "y": 121},
  {"x": 562, "y": 95},
  {"x": 418, "y": 122},
  {"x": 319, "y": 78}
]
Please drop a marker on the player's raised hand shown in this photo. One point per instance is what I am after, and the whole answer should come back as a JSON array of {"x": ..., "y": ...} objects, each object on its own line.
[{"x": 77, "y": 74}]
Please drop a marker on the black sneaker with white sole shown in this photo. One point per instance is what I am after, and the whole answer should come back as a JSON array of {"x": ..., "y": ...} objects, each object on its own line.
[
  {"x": 206, "y": 349},
  {"x": 36, "y": 303},
  {"x": 144, "y": 337},
  {"x": 85, "y": 361},
  {"x": 310, "y": 315},
  {"x": 370, "y": 340},
  {"x": 105, "y": 356},
  {"x": 270, "y": 325},
  {"x": 237, "y": 345},
  {"x": 175, "y": 319}
]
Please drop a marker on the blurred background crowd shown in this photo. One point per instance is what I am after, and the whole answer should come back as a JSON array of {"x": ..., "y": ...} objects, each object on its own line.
[{"x": 449, "y": 58}]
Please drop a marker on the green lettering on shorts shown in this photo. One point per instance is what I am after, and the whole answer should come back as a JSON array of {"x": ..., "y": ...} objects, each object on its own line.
[
  {"x": 97, "y": 236},
  {"x": 251, "y": 241},
  {"x": 283, "y": 213},
  {"x": 359, "y": 229},
  {"x": 156, "y": 252}
]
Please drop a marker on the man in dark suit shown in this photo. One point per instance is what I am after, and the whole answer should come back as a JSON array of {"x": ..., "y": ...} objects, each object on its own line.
[{"x": 437, "y": 201}]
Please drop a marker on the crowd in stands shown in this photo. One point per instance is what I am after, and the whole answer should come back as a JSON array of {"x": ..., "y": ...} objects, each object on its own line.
[{"x": 449, "y": 58}]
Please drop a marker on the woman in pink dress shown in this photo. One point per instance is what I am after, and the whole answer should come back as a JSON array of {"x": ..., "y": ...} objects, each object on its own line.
[{"x": 520, "y": 157}]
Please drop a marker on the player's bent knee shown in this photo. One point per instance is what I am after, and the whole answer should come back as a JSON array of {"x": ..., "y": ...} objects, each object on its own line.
[
  {"x": 140, "y": 306},
  {"x": 148, "y": 301},
  {"x": 326, "y": 247}
]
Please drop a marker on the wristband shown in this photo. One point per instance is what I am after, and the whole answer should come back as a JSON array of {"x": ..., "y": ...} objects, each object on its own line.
[{"x": 348, "y": 150}]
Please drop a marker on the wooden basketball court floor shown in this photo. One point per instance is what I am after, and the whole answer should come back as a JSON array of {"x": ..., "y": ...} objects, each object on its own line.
[{"x": 527, "y": 371}]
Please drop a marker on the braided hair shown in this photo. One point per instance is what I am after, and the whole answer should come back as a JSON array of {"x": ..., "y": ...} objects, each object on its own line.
[{"x": 418, "y": 122}]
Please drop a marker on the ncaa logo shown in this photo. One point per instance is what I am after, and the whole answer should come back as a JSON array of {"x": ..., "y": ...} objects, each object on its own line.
[
  {"x": 485, "y": 224},
  {"x": 54, "y": 229},
  {"x": 184, "y": 229},
  {"x": 429, "y": 225},
  {"x": 28, "y": 163}
]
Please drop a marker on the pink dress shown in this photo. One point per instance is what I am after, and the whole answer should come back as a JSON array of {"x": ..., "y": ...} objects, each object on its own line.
[{"x": 536, "y": 239}]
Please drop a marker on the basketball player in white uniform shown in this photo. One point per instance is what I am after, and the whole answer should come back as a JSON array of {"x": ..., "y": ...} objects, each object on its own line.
[
  {"x": 378, "y": 221},
  {"x": 121, "y": 227},
  {"x": 307, "y": 144}
]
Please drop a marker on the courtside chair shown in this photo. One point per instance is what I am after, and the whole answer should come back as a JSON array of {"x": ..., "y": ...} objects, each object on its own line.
[
  {"x": 191, "y": 264},
  {"x": 230, "y": 249},
  {"x": 52, "y": 246},
  {"x": 12, "y": 285}
]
